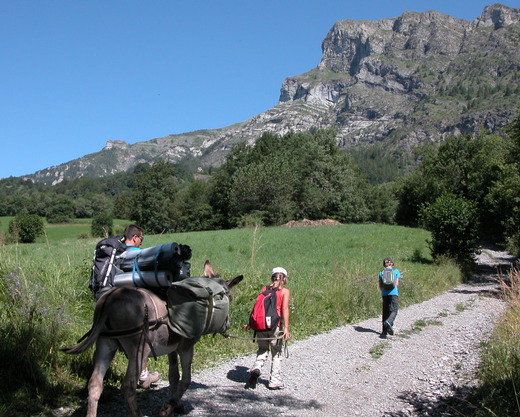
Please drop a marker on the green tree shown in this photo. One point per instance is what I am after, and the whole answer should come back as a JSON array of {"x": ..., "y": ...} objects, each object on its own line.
[
  {"x": 61, "y": 210},
  {"x": 221, "y": 182},
  {"x": 453, "y": 224},
  {"x": 287, "y": 177},
  {"x": 25, "y": 227},
  {"x": 505, "y": 197},
  {"x": 191, "y": 209},
  {"x": 152, "y": 196},
  {"x": 382, "y": 204},
  {"x": 122, "y": 205},
  {"x": 265, "y": 186}
]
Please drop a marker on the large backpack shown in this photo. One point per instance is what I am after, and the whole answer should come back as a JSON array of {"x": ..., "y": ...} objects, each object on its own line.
[
  {"x": 107, "y": 259},
  {"x": 198, "y": 306},
  {"x": 264, "y": 315},
  {"x": 388, "y": 278}
]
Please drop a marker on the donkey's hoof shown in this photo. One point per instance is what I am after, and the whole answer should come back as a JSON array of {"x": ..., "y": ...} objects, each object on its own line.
[{"x": 172, "y": 407}]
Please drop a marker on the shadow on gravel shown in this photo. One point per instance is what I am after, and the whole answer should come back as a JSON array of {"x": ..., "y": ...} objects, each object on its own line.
[
  {"x": 113, "y": 404},
  {"x": 488, "y": 293},
  {"x": 205, "y": 400},
  {"x": 232, "y": 402},
  {"x": 239, "y": 374},
  {"x": 364, "y": 330},
  {"x": 423, "y": 406}
]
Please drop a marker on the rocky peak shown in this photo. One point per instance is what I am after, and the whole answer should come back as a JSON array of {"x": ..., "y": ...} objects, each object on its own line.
[
  {"x": 412, "y": 35},
  {"x": 119, "y": 144},
  {"x": 498, "y": 16}
]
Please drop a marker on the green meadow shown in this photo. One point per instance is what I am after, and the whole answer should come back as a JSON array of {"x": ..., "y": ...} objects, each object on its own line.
[
  {"x": 78, "y": 229},
  {"x": 332, "y": 277}
]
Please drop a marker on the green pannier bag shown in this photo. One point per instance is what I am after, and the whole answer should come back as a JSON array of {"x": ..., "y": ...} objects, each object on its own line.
[{"x": 198, "y": 306}]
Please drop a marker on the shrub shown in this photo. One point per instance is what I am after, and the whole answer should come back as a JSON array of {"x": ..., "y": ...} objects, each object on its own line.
[
  {"x": 25, "y": 228},
  {"x": 102, "y": 225},
  {"x": 452, "y": 223}
]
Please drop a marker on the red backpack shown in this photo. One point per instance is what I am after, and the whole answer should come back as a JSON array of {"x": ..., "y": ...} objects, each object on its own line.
[{"x": 264, "y": 315}]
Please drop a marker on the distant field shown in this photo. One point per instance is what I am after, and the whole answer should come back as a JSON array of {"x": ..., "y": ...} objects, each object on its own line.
[
  {"x": 78, "y": 229},
  {"x": 4, "y": 223}
]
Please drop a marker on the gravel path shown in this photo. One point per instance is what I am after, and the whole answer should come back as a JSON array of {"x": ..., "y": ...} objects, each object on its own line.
[{"x": 423, "y": 370}]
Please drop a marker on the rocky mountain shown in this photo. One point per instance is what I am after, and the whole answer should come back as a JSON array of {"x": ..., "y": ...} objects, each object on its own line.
[{"x": 397, "y": 83}]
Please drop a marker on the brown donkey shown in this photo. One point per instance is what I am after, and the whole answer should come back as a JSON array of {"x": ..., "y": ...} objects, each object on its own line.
[{"x": 136, "y": 321}]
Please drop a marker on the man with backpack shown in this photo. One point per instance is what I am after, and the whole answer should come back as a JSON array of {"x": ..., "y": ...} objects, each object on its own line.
[
  {"x": 388, "y": 284},
  {"x": 109, "y": 252},
  {"x": 271, "y": 327},
  {"x": 107, "y": 258}
]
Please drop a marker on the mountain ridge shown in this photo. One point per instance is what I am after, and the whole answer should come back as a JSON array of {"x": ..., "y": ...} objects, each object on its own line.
[{"x": 396, "y": 82}]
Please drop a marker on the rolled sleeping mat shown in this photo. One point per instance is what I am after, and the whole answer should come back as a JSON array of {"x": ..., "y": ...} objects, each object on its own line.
[
  {"x": 161, "y": 257},
  {"x": 143, "y": 279}
]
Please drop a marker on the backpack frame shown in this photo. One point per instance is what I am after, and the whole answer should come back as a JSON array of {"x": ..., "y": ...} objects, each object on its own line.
[{"x": 107, "y": 258}]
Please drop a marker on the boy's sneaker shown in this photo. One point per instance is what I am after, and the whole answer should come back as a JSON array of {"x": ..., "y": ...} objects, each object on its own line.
[
  {"x": 253, "y": 378},
  {"x": 152, "y": 378},
  {"x": 388, "y": 328},
  {"x": 275, "y": 386}
]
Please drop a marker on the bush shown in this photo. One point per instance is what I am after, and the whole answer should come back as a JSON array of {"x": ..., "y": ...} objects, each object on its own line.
[
  {"x": 102, "y": 225},
  {"x": 452, "y": 223},
  {"x": 25, "y": 228}
]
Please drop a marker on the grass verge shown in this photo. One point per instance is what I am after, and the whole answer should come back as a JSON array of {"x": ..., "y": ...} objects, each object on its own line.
[{"x": 499, "y": 392}]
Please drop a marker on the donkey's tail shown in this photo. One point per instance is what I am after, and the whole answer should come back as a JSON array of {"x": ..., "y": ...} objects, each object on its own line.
[{"x": 89, "y": 338}]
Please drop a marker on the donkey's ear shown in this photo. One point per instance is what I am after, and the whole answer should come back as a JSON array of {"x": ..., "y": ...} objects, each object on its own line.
[
  {"x": 232, "y": 282},
  {"x": 208, "y": 270}
]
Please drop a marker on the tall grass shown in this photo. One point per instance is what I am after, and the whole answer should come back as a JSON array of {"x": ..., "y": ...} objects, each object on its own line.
[
  {"x": 332, "y": 277},
  {"x": 499, "y": 394}
]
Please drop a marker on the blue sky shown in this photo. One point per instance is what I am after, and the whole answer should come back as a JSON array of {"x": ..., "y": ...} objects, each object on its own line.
[{"x": 76, "y": 73}]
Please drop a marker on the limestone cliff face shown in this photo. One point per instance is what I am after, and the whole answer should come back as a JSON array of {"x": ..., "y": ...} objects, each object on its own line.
[
  {"x": 398, "y": 82},
  {"x": 412, "y": 79}
]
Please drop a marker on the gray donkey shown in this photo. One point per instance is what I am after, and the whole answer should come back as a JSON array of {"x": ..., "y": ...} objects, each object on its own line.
[{"x": 135, "y": 320}]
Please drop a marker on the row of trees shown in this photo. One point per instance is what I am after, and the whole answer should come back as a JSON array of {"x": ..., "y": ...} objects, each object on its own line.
[
  {"x": 280, "y": 178},
  {"x": 463, "y": 190}
]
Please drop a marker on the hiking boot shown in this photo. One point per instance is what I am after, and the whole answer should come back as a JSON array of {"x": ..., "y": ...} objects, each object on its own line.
[
  {"x": 253, "y": 378},
  {"x": 382, "y": 336},
  {"x": 388, "y": 328},
  {"x": 152, "y": 378}
]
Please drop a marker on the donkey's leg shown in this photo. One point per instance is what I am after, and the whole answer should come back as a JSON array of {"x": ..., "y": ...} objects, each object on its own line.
[
  {"x": 186, "y": 357},
  {"x": 185, "y": 352},
  {"x": 137, "y": 354},
  {"x": 178, "y": 388},
  {"x": 173, "y": 376},
  {"x": 105, "y": 351}
]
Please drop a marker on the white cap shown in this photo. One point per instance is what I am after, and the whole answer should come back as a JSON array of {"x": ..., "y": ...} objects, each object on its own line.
[{"x": 279, "y": 269}]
